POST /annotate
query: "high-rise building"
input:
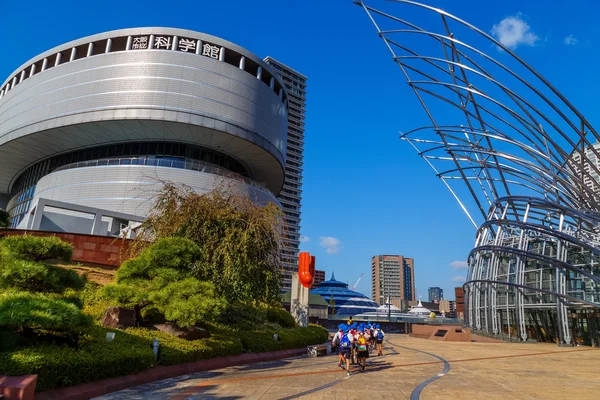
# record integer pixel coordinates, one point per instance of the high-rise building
(319, 277)
(435, 294)
(459, 292)
(290, 196)
(447, 308)
(393, 277)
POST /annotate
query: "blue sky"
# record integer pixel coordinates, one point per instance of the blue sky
(365, 191)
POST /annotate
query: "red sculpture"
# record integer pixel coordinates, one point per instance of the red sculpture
(306, 269)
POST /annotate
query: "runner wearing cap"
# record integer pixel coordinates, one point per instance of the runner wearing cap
(346, 348)
(362, 349)
(380, 336)
(336, 342)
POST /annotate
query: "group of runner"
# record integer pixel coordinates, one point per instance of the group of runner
(354, 341)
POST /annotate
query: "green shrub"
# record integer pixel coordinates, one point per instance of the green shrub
(320, 331)
(36, 311)
(302, 337)
(94, 304)
(255, 342)
(258, 341)
(281, 317)
(35, 276)
(188, 301)
(243, 316)
(38, 248)
(58, 366)
(177, 254)
(173, 350)
(161, 281)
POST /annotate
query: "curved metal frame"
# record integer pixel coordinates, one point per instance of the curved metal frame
(524, 154)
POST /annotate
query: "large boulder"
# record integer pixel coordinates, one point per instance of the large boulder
(192, 333)
(118, 317)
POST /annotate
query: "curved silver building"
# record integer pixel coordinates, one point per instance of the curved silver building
(89, 129)
(511, 147)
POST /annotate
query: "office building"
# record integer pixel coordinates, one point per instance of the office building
(447, 308)
(319, 277)
(435, 294)
(459, 292)
(393, 278)
(290, 196)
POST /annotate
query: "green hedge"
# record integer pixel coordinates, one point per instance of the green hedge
(281, 317)
(256, 342)
(58, 366)
(242, 316)
(131, 352)
(301, 337)
(259, 341)
(37, 311)
(38, 248)
(173, 350)
(33, 276)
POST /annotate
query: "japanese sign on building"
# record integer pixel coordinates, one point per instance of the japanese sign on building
(211, 51)
(139, 43)
(187, 45)
(164, 42)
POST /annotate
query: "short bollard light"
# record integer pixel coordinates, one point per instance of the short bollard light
(155, 345)
(110, 336)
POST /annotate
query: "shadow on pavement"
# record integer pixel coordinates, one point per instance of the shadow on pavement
(194, 392)
(159, 389)
(263, 366)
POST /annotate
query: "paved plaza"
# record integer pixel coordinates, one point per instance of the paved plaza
(411, 369)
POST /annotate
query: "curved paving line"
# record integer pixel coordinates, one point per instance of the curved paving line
(416, 393)
(330, 384)
(197, 388)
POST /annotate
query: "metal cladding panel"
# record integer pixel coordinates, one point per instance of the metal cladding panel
(130, 189)
(143, 85)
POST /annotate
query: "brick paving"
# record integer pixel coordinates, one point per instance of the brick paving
(477, 371)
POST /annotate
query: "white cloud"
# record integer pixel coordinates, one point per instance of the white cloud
(513, 31)
(459, 264)
(458, 278)
(570, 40)
(304, 239)
(331, 244)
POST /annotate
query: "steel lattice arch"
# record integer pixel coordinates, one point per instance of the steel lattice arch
(515, 154)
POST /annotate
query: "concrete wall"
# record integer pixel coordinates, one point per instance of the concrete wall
(56, 222)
